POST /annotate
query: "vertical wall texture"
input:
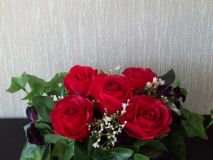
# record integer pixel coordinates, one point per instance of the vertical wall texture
(44, 37)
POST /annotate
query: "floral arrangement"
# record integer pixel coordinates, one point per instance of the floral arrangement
(88, 114)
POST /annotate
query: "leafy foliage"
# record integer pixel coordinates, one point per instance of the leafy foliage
(18, 83)
(169, 77)
(211, 122)
(117, 153)
(43, 106)
(154, 144)
(33, 152)
(140, 157)
(39, 94)
(193, 124)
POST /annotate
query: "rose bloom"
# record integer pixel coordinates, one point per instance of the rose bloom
(110, 91)
(70, 117)
(79, 79)
(147, 118)
(138, 77)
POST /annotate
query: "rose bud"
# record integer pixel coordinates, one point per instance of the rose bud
(31, 114)
(34, 135)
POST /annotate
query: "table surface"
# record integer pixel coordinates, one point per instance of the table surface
(13, 138)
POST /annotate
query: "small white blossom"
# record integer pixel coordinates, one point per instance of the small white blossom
(95, 145)
(148, 84)
(109, 127)
(174, 108)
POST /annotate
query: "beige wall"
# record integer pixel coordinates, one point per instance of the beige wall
(46, 36)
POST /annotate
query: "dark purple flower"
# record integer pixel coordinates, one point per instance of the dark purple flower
(31, 114)
(178, 93)
(164, 90)
(34, 135)
(124, 139)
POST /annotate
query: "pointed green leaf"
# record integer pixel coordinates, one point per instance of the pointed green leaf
(18, 83)
(154, 144)
(53, 138)
(117, 153)
(140, 157)
(193, 124)
(33, 152)
(36, 83)
(63, 149)
(83, 150)
(169, 77)
(43, 106)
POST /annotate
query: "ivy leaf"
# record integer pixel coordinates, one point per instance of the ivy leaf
(157, 145)
(58, 78)
(140, 157)
(117, 153)
(138, 144)
(63, 149)
(36, 83)
(18, 83)
(53, 138)
(44, 128)
(83, 150)
(43, 106)
(169, 77)
(193, 124)
(211, 122)
(33, 152)
(176, 145)
(154, 144)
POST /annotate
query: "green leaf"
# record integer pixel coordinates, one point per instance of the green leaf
(140, 157)
(193, 124)
(138, 144)
(44, 128)
(58, 78)
(211, 114)
(18, 83)
(183, 91)
(154, 144)
(169, 77)
(33, 152)
(63, 149)
(36, 83)
(117, 153)
(43, 106)
(211, 122)
(177, 145)
(53, 138)
(157, 145)
(83, 150)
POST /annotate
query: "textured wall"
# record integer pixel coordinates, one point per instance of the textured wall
(46, 36)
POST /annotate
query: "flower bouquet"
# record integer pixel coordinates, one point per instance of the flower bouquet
(90, 114)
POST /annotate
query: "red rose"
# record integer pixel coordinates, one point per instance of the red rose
(147, 118)
(79, 79)
(110, 91)
(70, 117)
(138, 77)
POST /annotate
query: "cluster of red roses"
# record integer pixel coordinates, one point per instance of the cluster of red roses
(147, 117)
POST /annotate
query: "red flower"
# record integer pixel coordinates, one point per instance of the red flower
(79, 79)
(138, 77)
(147, 118)
(70, 117)
(110, 91)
